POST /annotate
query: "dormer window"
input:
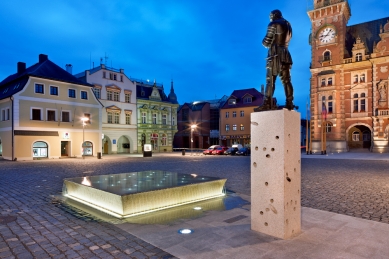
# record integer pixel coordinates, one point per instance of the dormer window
(231, 101)
(247, 99)
(358, 57)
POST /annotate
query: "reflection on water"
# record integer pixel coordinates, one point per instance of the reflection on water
(127, 183)
(167, 216)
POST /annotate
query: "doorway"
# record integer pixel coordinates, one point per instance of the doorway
(64, 148)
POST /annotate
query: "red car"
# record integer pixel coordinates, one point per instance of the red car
(209, 150)
(219, 151)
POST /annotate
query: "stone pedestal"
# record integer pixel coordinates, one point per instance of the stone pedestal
(276, 173)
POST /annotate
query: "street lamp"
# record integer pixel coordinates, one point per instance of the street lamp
(84, 120)
(192, 127)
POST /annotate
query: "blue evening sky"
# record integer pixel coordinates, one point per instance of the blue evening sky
(208, 47)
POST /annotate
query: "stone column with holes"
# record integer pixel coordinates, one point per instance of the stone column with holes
(276, 173)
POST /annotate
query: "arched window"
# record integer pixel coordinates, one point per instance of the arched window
(329, 81)
(355, 101)
(164, 140)
(329, 105)
(327, 56)
(362, 78)
(87, 148)
(323, 98)
(323, 82)
(363, 102)
(328, 127)
(358, 57)
(39, 149)
(355, 136)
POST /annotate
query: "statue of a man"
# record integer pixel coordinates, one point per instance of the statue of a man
(279, 61)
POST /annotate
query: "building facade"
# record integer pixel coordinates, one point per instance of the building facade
(119, 118)
(205, 115)
(348, 88)
(235, 124)
(157, 116)
(42, 111)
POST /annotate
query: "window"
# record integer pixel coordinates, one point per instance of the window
(65, 116)
(173, 121)
(121, 78)
(87, 115)
(355, 79)
(328, 127)
(358, 57)
(323, 82)
(231, 101)
(355, 136)
(241, 127)
(234, 114)
(154, 118)
(50, 115)
(97, 92)
(362, 78)
(363, 102)
(227, 114)
(329, 81)
(185, 114)
(36, 114)
(234, 127)
(164, 140)
(72, 93)
(39, 89)
(143, 117)
(116, 96)
(127, 98)
(39, 149)
(164, 119)
(227, 127)
(241, 113)
(84, 95)
(5, 115)
(327, 56)
(329, 104)
(109, 95)
(355, 101)
(128, 118)
(116, 117)
(109, 117)
(114, 77)
(53, 90)
(104, 74)
(247, 99)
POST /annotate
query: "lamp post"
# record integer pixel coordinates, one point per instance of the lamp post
(83, 119)
(192, 128)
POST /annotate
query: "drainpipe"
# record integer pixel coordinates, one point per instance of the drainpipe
(12, 127)
(372, 105)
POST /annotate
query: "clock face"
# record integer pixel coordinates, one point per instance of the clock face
(327, 35)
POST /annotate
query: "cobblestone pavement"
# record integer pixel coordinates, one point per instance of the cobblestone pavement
(44, 228)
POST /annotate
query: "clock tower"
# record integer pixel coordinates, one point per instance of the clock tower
(349, 85)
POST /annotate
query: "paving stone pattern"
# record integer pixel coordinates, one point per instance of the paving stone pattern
(45, 228)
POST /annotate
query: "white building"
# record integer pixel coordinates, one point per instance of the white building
(118, 95)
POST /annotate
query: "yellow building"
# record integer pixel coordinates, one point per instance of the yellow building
(41, 112)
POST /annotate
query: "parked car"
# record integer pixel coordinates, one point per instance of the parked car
(209, 150)
(231, 151)
(219, 151)
(243, 152)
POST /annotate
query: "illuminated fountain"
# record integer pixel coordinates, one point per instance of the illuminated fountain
(130, 194)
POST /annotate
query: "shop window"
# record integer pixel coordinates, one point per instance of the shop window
(164, 140)
(87, 148)
(39, 149)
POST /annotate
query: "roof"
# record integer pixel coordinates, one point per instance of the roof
(147, 89)
(368, 32)
(257, 98)
(198, 105)
(43, 69)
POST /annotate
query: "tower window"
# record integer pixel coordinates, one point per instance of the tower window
(327, 56)
(358, 57)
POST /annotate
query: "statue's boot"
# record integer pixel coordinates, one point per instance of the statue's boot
(264, 107)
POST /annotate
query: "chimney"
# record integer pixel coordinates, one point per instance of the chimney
(69, 68)
(21, 67)
(42, 58)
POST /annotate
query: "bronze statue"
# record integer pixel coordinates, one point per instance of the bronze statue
(279, 61)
